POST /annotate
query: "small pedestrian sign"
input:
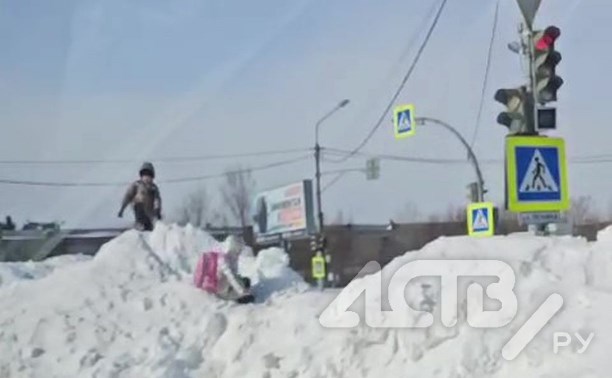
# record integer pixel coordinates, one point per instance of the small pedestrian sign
(404, 121)
(480, 220)
(318, 267)
(536, 174)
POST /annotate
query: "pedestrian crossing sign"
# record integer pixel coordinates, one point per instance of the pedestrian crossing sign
(480, 219)
(536, 174)
(318, 267)
(404, 121)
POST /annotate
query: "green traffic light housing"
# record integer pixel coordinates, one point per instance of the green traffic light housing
(514, 99)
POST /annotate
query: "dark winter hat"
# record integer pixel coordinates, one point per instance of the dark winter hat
(147, 168)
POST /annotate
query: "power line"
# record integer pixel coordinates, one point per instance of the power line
(167, 181)
(486, 75)
(334, 180)
(338, 152)
(158, 160)
(258, 168)
(402, 84)
(594, 159)
(344, 170)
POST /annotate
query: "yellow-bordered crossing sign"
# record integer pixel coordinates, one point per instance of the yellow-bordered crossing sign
(480, 219)
(536, 174)
(318, 267)
(404, 121)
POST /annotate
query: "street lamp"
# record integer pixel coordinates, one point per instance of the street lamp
(340, 105)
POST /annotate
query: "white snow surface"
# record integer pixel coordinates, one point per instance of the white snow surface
(132, 311)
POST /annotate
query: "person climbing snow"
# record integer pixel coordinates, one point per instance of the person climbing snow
(217, 273)
(145, 198)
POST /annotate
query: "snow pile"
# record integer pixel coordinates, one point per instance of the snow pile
(270, 273)
(132, 312)
(12, 272)
(568, 266)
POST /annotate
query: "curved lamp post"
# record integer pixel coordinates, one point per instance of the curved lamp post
(471, 155)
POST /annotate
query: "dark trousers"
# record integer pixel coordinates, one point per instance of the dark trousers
(246, 282)
(143, 221)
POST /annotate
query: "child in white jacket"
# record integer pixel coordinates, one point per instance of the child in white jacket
(217, 273)
(232, 286)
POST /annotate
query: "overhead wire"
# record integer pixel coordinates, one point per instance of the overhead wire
(593, 159)
(402, 84)
(157, 160)
(164, 181)
(486, 75)
(334, 180)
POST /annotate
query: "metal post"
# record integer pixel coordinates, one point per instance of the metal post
(340, 105)
(531, 127)
(531, 101)
(471, 155)
(318, 182)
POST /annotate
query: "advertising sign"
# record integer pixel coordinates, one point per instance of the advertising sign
(285, 211)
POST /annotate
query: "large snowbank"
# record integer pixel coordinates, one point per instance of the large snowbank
(131, 312)
(12, 272)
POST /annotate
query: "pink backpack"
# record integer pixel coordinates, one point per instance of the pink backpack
(205, 277)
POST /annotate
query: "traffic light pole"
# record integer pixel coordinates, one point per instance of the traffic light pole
(531, 121)
(471, 154)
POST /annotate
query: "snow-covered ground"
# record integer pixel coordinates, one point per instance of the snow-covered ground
(131, 311)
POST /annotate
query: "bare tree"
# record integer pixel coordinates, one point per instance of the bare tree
(582, 211)
(196, 209)
(434, 218)
(508, 221)
(452, 214)
(409, 213)
(455, 214)
(237, 192)
(339, 219)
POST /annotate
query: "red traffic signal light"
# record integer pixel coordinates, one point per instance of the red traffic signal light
(545, 61)
(547, 41)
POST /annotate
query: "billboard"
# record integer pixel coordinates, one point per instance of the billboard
(285, 211)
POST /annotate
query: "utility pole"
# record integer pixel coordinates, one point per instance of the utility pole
(321, 244)
(318, 180)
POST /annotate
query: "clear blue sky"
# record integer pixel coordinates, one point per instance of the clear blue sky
(139, 79)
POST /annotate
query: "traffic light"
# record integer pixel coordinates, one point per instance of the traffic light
(515, 100)
(472, 192)
(545, 61)
(373, 169)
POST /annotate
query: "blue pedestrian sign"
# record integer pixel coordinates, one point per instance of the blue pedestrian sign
(404, 121)
(480, 220)
(536, 174)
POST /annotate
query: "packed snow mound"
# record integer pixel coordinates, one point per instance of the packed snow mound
(13, 272)
(571, 267)
(132, 312)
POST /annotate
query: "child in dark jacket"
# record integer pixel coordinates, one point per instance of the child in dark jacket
(145, 198)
